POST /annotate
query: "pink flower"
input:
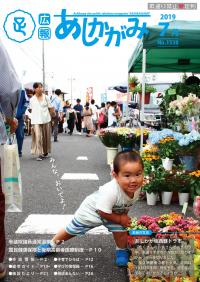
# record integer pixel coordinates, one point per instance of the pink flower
(146, 220)
(154, 227)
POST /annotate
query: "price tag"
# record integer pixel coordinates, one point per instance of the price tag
(185, 205)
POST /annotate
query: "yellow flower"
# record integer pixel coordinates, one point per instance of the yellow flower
(169, 222)
(195, 173)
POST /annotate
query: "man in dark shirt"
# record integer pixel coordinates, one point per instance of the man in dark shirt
(79, 109)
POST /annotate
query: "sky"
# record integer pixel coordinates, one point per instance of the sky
(69, 64)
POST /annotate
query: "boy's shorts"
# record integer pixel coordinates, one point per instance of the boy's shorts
(74, 227)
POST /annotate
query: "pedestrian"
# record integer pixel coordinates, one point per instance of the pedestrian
(108, 206)
(79, 112)
(107, 108)
(57, 104)
(87, 119)
(71, 119)
(118, 113)
(94, 115)
(20, 115)
(112, 119)
(102, 117)
(9, 96)
(41, 123)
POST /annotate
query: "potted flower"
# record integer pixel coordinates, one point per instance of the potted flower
(195, 183)
(110, 139)
(167, 150)
(151, 159)
(181, 183)
(188, 145)
(138, 136)
(186, 112)
(148, 90)
(133, 81)
(152, 184)
(126, 138)
(150, 187)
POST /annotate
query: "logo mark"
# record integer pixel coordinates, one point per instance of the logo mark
(19, 26)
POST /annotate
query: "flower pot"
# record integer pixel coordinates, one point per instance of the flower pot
(166, 197)
(111, 153)
(183, 197)
(146, 98)
(188, 162)
(174, 197)
(151, 198)
(167, 163)
(131, 85)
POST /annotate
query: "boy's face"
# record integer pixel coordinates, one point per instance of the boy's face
(130, 177)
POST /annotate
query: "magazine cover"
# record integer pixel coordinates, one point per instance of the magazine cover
(100, 140)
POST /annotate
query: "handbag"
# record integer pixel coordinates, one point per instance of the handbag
(101, 119)
(52, 112)
(12, 184)
(51, 109)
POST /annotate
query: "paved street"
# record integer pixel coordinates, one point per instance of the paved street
(87, 258)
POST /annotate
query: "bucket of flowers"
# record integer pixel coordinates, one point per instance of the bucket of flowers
(167, 143)
(138, 132)
(168, 149)
(110, 139)
(188, 145)
(126, 138)
(151, 159)
(186, 109)
(181, 183)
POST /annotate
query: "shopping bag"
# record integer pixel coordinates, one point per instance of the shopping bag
(12, 184)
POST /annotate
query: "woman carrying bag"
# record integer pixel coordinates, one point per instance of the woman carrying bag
(41, 108)
(9, 96)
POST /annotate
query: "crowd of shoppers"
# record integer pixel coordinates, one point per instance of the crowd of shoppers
(88, 119)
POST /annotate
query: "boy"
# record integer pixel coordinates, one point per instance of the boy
(108, 206)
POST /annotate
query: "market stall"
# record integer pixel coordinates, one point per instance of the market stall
(175, 50)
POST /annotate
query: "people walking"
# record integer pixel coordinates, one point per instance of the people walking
(71, 119)
(79, 111)
(57, 104)
(102, 117)
(94, 115)
(112, 119)
(20, 115)
(41, 123)
(87, 119)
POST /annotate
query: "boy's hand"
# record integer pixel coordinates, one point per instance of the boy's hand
(125, 220)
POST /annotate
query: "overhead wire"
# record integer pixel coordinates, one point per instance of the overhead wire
(30, 56)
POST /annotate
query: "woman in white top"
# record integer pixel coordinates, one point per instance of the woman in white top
(41, 123)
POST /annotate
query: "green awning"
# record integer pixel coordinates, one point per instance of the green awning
(184, 57)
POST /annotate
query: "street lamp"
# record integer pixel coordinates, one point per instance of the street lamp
(71, 81)
(43, 65)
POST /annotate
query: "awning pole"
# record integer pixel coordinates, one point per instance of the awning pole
(127, 98)
(143, 94)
